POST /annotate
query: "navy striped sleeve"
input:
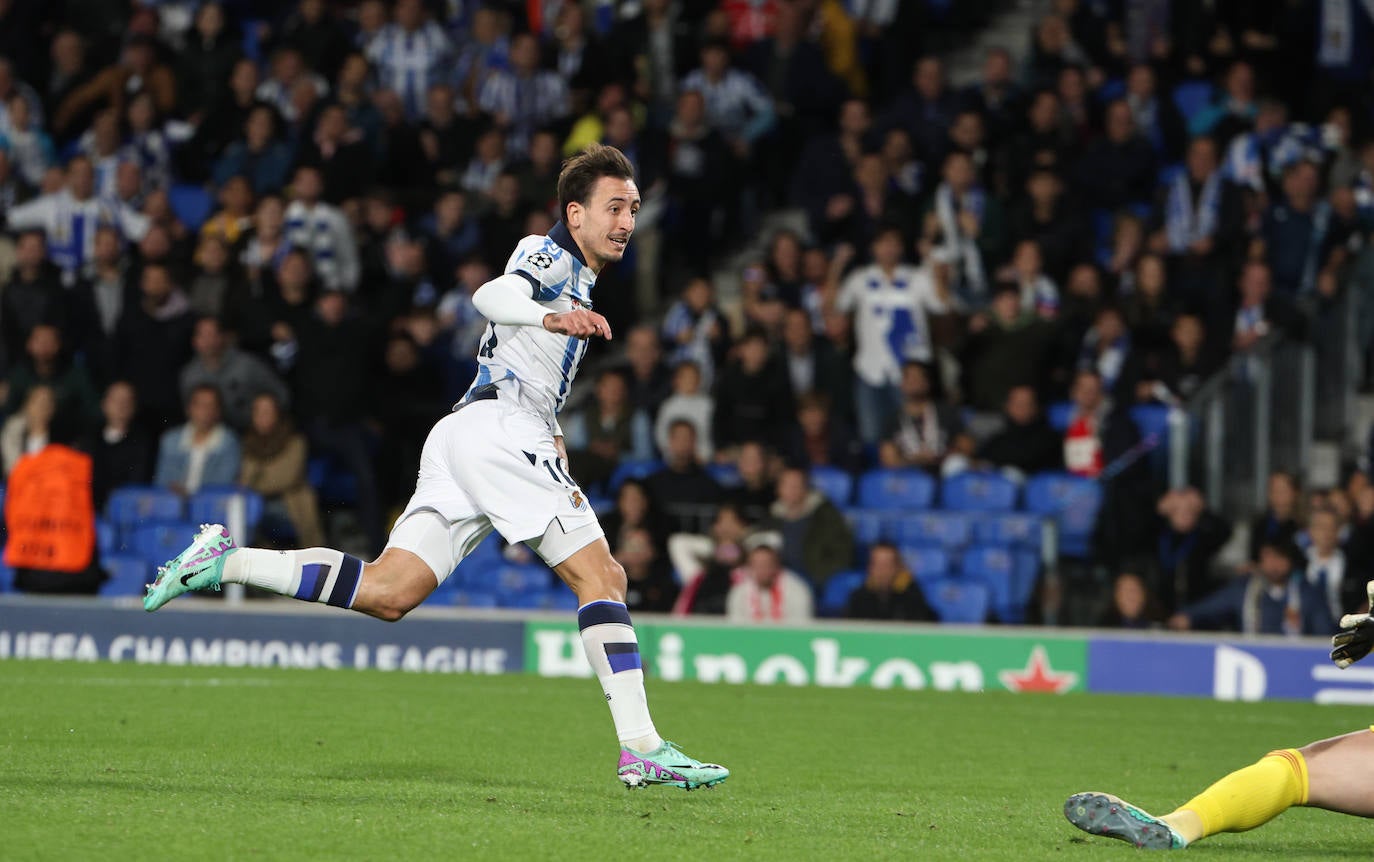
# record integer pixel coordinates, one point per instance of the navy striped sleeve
(535, 286)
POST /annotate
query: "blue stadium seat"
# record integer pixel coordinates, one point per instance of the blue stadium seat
(6, 578)
(471, 599)
(562, 599)
(128, 575)
(1008, 530)
(106, 537)
(926, 563)
(335, 484)
(973, 491)
(726, 475)
(1009, 576)
(1168, 174)
(873, 525)
(867, 525)
(958, 601)
(157, 543)
(631, 468)
(602, 506)
(906, 489)
(528, 600)
(511, 580)
(1072, 501)
(210, 505)
(1143, 210)
(836, 484)
(835, 594)
(1059, 414)
(133, 505)
(191, 204)
(1104, 222)
(1191, 97)
(1111, 90)
(948, 530)
(251, 43)
(1152, 419)
(478, 569)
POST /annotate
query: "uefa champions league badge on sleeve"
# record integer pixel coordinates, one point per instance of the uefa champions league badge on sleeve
(540, 260)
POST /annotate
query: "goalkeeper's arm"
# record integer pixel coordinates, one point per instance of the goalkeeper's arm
(1356, 636)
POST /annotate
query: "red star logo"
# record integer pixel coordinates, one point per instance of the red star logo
(1038, 675)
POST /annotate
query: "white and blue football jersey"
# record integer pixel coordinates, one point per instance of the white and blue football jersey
(533, 364)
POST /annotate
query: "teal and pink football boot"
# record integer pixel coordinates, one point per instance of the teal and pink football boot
(670, 767)
(199, 567)
(1106, 815)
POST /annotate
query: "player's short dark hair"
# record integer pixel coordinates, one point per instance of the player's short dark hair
(581, 172)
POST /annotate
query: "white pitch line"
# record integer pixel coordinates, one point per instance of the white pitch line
(118, 682)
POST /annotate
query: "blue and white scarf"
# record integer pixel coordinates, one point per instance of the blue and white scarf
(1321, 220)
(969, 274)
(1185, 222)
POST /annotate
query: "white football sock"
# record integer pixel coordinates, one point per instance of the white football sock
(311, 574)
(613, 651)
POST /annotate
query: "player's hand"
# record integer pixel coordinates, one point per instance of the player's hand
(579, 323)
(1356, 637)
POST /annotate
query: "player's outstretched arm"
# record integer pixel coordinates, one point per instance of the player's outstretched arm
(505, 300)
(579, 323)
(1356, 636)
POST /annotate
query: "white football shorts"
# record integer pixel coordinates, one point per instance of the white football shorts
(491, 464)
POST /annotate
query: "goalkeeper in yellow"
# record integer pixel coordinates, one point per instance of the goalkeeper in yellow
(1333, 774)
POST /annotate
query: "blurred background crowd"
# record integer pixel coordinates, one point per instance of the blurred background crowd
(874, 328)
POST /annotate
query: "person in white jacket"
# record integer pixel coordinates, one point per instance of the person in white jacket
(768, 593)
(69, 218)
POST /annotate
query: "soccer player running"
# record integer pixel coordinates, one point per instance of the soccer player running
(498, 461)
(1333, 774)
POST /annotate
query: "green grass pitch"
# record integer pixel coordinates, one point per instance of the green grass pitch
(125, 762)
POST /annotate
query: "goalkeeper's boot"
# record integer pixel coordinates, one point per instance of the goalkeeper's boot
(668, 766)
(197, 568)
(1104, 814)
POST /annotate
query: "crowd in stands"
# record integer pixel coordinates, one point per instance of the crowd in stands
(242, 240)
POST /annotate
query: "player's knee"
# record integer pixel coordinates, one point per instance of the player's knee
(391, 612)
(613, 577)
(390, 591)
(397, 602)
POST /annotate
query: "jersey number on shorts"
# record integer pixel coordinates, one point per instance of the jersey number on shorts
(559, 475)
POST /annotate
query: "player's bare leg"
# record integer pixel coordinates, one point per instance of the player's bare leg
(388, 588)
(1339, 775)
(1332, 774)
(613, 651)
(394, 585)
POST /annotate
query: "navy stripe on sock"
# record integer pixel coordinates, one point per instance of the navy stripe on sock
(313, 576)
(600, 613)
(623, 656)
(346, 584)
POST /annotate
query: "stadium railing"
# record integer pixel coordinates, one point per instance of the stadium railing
(1253, 416)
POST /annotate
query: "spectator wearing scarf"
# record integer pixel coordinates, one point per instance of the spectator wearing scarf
(962, 222)
(1295, 232)
(1276, 600)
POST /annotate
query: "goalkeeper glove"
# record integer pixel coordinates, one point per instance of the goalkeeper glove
(1356, 637)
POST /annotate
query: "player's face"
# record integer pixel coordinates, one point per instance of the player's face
(604, 224)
